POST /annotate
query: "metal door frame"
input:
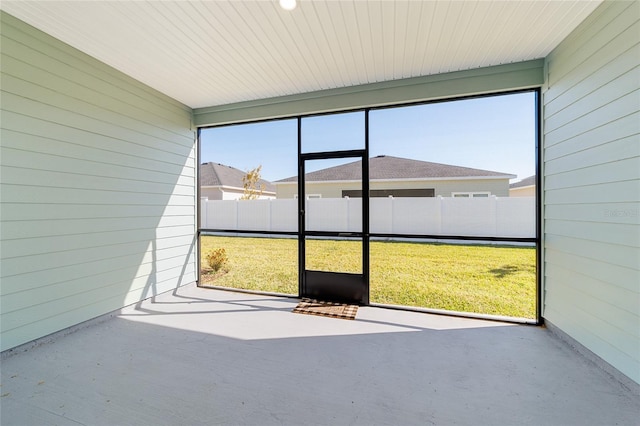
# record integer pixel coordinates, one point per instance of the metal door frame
(325, 285)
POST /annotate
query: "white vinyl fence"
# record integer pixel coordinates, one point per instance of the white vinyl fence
(487, 217)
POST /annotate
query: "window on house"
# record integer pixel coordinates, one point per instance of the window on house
(470, 194)
(385, 193)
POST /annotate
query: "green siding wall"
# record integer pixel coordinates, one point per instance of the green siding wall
(592, 185)
(97, 196)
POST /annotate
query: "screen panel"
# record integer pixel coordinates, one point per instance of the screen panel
(333, 132)
(248, 209)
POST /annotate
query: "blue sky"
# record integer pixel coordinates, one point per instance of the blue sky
(493, 133)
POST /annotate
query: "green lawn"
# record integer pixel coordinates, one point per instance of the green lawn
(492, 280)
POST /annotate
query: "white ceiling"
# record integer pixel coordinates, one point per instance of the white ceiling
(206, 53)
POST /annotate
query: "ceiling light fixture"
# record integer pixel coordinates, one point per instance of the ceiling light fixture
(288, 4)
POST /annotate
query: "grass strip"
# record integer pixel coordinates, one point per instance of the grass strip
(495, 280)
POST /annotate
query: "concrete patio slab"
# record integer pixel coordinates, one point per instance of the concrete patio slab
(206, 357)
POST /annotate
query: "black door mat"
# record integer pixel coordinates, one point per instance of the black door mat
(326, 309)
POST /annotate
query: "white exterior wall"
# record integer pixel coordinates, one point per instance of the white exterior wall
(211, 193)
(228, 193)
(97, 188)
(524, 191)
(232, 195)
(592, 185)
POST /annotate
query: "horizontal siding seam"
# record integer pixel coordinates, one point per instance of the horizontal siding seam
(603, 347)
(600, 106)
(593, 88)
(110, 123)
(576, 204)
(117, 99)
(588, 221)
(87, 276)
(94, 190)
(607, 71)
(138, 228)
(585, 27)
(551, 96)
(577, 240)
(589, 166)
(596, 146)
(624, 126)
(186, 241)
(603, 320)
(117, 297)
(104, 285)
(598, 16)
(85, 262)
(119, 180)
(578, 221)
(80, 234)
(588, 185)
(88, 147)
(581, 274)
(173, 272)
(587, 130)
(111, 178)
(620, 176)
(549, 259)
(103, 204)
(591, 240)
(58, 219)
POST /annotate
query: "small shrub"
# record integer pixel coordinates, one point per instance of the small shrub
(217, 259)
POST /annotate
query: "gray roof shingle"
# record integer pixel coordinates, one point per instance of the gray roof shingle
(385, 167)
(528, 181)
(216, 174)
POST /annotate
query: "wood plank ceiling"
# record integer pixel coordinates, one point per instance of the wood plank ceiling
(206, 53)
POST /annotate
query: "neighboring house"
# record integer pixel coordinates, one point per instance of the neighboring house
(399, 177)
(524, 188)
(221, 182)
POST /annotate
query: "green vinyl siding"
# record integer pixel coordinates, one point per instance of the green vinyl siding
(97, 196)
(592, 185)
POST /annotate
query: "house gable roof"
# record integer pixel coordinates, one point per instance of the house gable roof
(386, 167)
(528, 181)
(216, 174)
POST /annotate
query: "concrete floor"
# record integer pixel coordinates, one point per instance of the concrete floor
(210, 357)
